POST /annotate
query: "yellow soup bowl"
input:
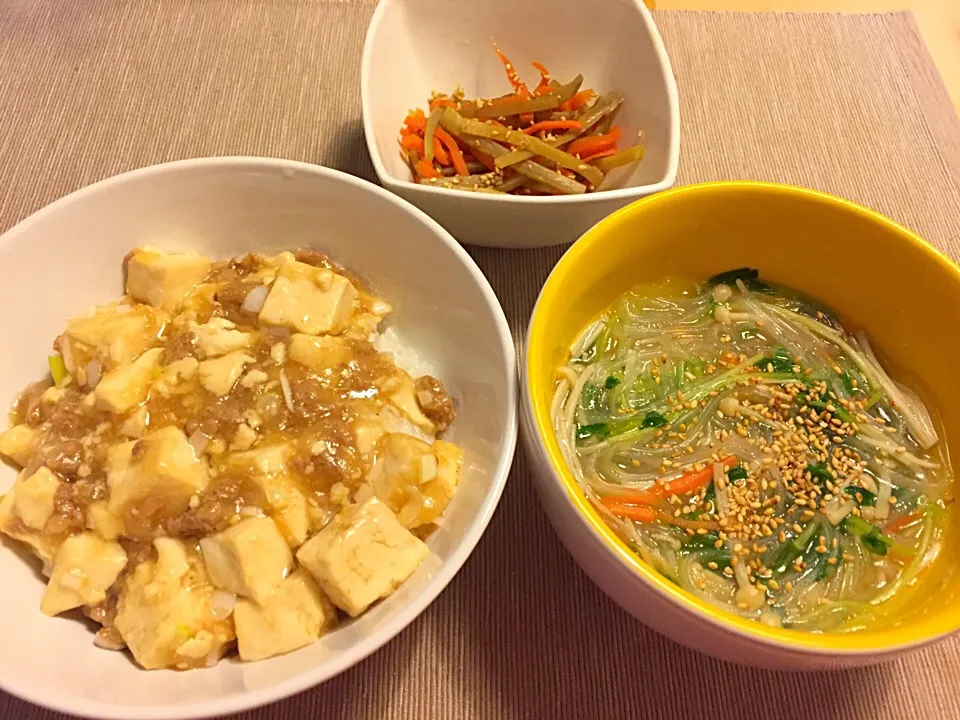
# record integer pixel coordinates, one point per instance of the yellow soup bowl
(877, 275)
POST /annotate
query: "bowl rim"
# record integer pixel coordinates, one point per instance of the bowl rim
(536, 415)
(633, 191)
(406, 614)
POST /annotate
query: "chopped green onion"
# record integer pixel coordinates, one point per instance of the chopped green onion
(738, 472)
(837, 411)
(652, 419)
(820, 472)
(58, 369)
(749, 276)
(591, 397)
(702, 542)
(864, 497)
(792, 549)
(780, 362)
(870, 535)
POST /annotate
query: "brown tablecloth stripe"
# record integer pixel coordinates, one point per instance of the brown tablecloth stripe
(848, 104)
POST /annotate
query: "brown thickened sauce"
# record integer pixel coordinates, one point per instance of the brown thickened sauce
(310, 415)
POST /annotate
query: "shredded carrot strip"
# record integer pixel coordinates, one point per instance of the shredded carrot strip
(632, 512)
(544, 86)
(581, 98)
(553, 125)
(515, 81)
(594, 143)
(426, 169)
(577, 101)
(636, 497)
(900, 555)
(485, 160)
(438, 152)
(895, 526)
(601, 154)
(416, 121)
(455, 153)
(412, 142)
(691, 482)
(442, 102)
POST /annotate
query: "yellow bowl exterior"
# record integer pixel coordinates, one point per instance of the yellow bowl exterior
(876, 274)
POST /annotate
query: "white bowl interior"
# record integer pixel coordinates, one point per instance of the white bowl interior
(417, 46)
(68, 257)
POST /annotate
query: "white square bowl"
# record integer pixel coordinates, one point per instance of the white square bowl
(416, 46)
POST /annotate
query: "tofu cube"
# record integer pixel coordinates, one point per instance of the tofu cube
(19, 443)
(177, 377)
(219, 336)
(415, 479)
(309, 300)
(43, 546)
(199, 301)
(153, 477)
(166, 612)
(163, 279)
(319, 353)
(368, 432)
(294, 615)
(401, 391)
(136, 423)
(221, 374)
(115, 335)
(103, 522)
(265, 461)
(126, 387)
(34, 498)
(243, 438)
(363, 555)
(449, 463)
(253, 378)
(286, 502)
(84, 569)
(249, 558)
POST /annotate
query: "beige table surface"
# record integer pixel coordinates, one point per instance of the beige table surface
(521, 632)
(938, 20)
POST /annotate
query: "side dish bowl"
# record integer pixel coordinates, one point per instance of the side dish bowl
(67, 257)
(877, 275)
(414, 47)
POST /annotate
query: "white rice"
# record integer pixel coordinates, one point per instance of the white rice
(394, 422)
(405, 357)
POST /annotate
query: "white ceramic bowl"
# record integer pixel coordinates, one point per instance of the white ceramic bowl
(68, 256)
(416, 46)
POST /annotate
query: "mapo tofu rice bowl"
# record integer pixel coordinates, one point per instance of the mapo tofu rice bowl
(248, 443)
(225, 457)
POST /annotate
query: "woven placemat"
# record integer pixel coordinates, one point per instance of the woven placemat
(847, 104)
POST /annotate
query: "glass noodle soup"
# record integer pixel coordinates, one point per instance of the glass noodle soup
(754, 451)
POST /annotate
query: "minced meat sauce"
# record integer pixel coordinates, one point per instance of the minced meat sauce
(262, 391)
